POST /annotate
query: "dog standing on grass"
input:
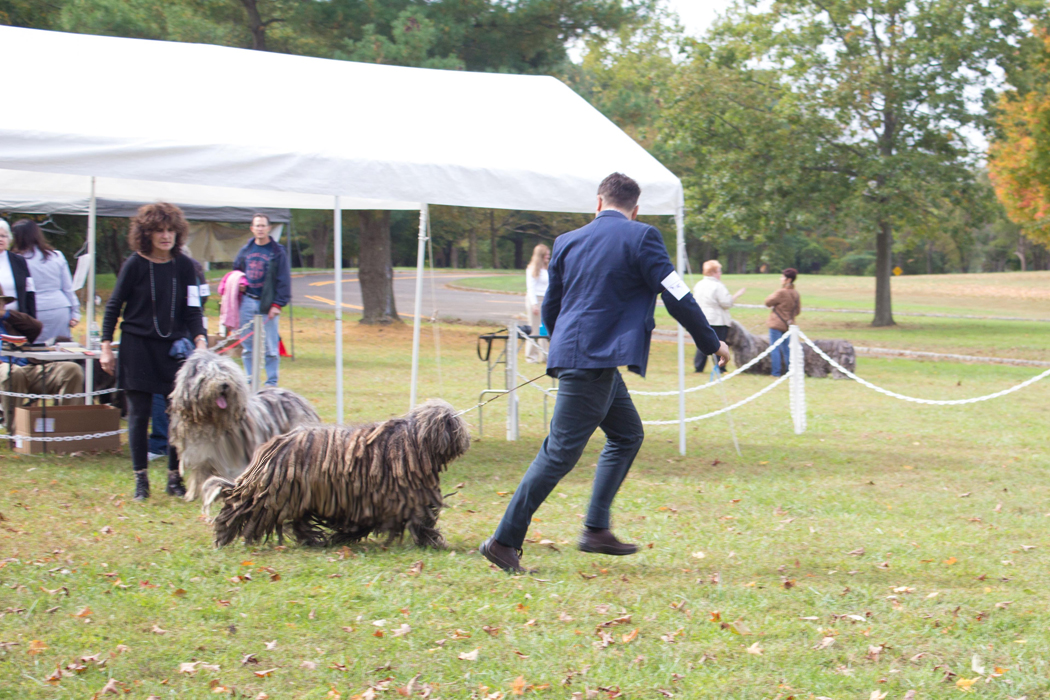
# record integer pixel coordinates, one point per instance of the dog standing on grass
(334, 484)
(217, 422)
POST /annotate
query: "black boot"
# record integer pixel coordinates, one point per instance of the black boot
(141, 485)
(175, 485)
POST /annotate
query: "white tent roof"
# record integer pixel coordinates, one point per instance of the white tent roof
(350, 129)
(28, 191)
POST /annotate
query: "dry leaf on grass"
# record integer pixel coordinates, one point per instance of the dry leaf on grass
(755, 649)
(630, 636)
(518, 686)
(401, 631)
(157, 630)
(264, 674)
(825, 643)
(469, 655)
(112, 686)
(270, 646)
(308, 665)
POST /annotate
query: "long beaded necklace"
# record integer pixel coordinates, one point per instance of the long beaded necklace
(153, 298)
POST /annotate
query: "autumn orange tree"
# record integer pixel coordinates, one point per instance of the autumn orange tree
(1019, 160)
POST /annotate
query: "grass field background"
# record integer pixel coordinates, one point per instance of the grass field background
(891, 548)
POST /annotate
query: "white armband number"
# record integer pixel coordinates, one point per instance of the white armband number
(675, 286)
(193, 295)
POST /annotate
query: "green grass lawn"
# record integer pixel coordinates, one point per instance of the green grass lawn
(1022, 294)
(890, 548)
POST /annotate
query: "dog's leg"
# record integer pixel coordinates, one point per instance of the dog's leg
(308, 535)
(425, 535)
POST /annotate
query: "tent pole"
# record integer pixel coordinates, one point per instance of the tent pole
(89, 311)
(421, 254)
(679, 220)
(337, 236)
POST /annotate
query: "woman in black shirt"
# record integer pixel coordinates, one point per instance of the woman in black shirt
(158, 293)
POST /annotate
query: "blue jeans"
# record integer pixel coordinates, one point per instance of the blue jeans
(271, 340)
(158, 437)
(587, 399)
(781, 357)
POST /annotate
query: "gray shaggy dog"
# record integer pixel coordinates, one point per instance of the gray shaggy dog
(333, 484)
(746, 346)
(217, 423)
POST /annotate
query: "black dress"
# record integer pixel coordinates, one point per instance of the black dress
(153, 320)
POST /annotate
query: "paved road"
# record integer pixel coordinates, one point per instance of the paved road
(317, 291)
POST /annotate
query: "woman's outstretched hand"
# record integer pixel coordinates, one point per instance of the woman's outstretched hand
(107, 360)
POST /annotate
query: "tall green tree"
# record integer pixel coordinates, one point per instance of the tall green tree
(886, 89)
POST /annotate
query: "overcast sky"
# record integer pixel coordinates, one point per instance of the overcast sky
(697, 15)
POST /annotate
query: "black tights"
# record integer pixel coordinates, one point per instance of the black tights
(140, 407)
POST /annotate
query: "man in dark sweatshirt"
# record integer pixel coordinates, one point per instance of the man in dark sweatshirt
(604, 280)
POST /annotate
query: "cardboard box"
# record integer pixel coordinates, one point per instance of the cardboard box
(66, 420)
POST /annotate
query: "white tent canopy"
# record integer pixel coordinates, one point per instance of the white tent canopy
(51, 193)
(370, 131)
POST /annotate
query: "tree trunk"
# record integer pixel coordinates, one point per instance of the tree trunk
(929, 258)
(255, 25)
(453, 256)
(519, 253)
(883, 273)
(320, 238)
(376, 271)
(472, 248)
(492, 239)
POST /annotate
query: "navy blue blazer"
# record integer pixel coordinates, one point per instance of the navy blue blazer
(599, 305)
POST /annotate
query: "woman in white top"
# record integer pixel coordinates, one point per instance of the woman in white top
(57, 306)
(715, 301)
(536, 281)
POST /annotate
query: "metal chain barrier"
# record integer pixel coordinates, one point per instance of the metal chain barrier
(62, 438)
(929, 402)
(58, 396)
(743, 368)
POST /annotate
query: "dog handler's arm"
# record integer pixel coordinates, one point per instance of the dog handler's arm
(114, 307)
(552, 299)
(194, 316)
(660, 274)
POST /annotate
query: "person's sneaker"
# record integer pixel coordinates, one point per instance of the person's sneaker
(175, 486)
(604, 542)
(506, 558)
(141, 485)
(150, 456)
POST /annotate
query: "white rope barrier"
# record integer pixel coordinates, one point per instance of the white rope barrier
(928, 402)
(743, 368)
(719, 412)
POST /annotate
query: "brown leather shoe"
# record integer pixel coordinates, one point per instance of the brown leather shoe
(502, 556)
(604, 542)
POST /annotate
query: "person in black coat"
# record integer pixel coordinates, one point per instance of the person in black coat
(158, 294)
(14, 271)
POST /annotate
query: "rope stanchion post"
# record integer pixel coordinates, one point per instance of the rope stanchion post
(797, 385)
(512, 379)
(257, 350)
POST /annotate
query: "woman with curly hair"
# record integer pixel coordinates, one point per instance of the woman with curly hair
(157, 292)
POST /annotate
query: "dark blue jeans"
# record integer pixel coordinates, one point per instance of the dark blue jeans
(781, 357)
(158, 437)
(587, 399)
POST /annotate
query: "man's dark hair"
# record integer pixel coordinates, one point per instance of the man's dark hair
(791, 273)
(620, 191)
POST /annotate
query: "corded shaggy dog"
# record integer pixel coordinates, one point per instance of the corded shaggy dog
(217, 422)
(332, 484)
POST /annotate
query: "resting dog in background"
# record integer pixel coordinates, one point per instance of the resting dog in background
(217, 422)
(382, 477)
(746, 346)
